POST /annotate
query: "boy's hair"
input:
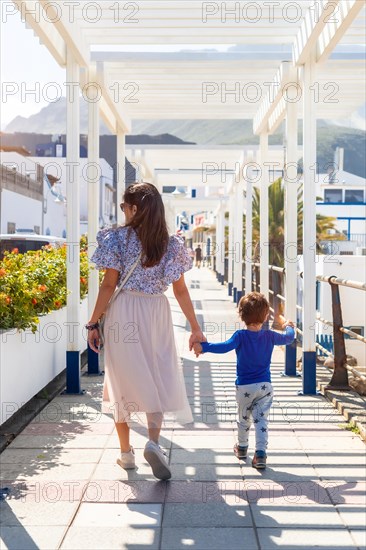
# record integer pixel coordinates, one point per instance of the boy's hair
(253, 308)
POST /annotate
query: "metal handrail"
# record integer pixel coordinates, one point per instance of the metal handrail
(343, 282)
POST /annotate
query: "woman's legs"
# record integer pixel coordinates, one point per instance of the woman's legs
(154, 422)
(123, 432)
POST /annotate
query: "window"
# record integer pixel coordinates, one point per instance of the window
(354, 195)
(333, 195)
(358, 330)
(11, 227)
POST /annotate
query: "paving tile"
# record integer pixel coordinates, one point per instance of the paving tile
(312, 517)
(118, 515)
(211, 441)
(110, 491)
(350, 492)
(202, 538)
(326, 539)
(353, 516)
(48, 455)
(45, 491)
(337, 457)
(46, 471)
(360, 538)
(68, 428)
(228, 491)
(111, 538)
(110, 471)
(36, 511)
(33, 537)
(202, 456)
(209, 514)
(43, 441)
(273, 472)
(286, 493)
(321, 442)
(206, 472)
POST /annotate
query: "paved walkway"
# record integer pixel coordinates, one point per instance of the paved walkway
(67, 492)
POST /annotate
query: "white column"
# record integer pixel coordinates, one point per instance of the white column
(290, 249)
(220, 243)
(248, 234)
(170, 216)
(309, 229)
(73, 224)
(93, 198)
(291, 188)
(121, 173)
(263, 221)
(231, 242)
(238, 249)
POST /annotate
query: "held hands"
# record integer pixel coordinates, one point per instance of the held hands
(197, 349)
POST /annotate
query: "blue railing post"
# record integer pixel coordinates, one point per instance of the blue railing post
(93, 362)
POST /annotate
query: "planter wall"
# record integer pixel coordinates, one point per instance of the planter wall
(28, 362)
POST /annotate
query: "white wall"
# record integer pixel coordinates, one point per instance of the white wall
(353, 301)
(23, 211)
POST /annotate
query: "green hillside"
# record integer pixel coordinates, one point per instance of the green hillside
(52, 120)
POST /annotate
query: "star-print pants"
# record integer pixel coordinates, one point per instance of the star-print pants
(254, 403)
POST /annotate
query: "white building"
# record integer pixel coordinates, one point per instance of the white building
(343, 196)
(47, 214)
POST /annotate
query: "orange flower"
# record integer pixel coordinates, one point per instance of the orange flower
(2, 272)
(42, 288)
(83, 280)
(57, 303)
(15, 251)
(8, 300)
(34, 301)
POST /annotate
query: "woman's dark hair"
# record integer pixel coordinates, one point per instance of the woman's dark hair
(253, 308)
(149, 221)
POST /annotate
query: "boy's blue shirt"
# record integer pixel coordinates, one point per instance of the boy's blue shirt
(253, 351)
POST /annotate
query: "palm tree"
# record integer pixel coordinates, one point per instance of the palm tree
(276, 230)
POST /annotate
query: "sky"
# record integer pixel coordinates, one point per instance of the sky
(25, 62)
(26, 65)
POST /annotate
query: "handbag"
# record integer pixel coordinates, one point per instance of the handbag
(113, 297)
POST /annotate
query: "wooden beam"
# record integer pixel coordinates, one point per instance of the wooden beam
(335, 30)
(315, 20)
(46, 31)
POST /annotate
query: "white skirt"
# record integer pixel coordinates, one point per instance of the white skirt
(142, 371)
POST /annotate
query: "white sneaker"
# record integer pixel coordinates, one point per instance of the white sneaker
(127, 460)
(157, 459)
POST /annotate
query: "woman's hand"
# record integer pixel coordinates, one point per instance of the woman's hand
(197, 348)
(94, 340)
(196, 336)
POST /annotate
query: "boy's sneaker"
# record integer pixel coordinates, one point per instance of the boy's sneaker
(127, 460)
(240, 452)
(259, 460)
(157, 459)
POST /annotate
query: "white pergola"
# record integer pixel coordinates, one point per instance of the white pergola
(302, 59)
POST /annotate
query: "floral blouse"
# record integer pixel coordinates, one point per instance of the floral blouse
(118, 249)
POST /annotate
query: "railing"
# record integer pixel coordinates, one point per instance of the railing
(339, 379)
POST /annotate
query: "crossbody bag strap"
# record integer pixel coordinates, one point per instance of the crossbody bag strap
(133, 267)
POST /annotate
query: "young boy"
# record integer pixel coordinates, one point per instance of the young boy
(254, 392)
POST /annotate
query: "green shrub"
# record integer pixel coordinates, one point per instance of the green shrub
(34, 284)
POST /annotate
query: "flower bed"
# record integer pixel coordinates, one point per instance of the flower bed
(34, 284)
(33, 324)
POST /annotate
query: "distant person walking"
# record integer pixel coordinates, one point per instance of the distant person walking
(198, 256)
(254, 392)
(142, 373)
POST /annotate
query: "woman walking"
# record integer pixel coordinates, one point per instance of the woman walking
(142, 372)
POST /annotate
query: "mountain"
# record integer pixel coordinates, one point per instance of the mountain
(52, 120)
